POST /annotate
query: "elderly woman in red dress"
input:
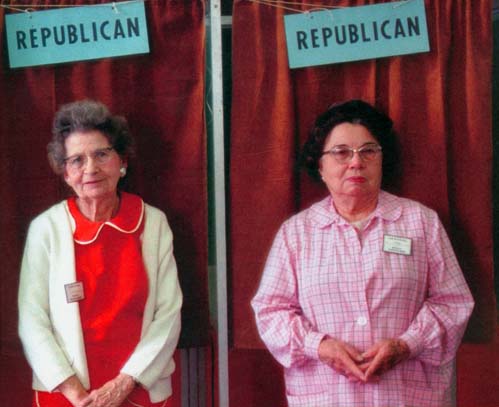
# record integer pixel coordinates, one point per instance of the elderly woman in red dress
(99, 298)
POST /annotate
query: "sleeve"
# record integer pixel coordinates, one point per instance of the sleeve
(437, 330)
(43, 352)
(283, 327)
(152, 359)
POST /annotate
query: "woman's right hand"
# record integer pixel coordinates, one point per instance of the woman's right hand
(343, 358)
(74, 391)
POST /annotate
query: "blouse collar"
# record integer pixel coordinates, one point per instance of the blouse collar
(324, 213)
(127, 220)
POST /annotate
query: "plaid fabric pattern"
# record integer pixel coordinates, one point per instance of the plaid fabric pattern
(324, 277)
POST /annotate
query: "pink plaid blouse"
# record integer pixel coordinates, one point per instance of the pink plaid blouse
(323, 278)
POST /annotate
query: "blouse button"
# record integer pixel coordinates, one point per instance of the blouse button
(361, 321)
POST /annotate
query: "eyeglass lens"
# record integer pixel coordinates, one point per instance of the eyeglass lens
(100, 156)
(343, 154)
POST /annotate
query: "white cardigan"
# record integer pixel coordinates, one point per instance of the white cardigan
(50, 327)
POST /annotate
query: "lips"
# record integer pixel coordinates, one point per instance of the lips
(93, 182)
(357, 180)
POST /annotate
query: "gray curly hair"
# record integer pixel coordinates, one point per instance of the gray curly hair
(83, 116)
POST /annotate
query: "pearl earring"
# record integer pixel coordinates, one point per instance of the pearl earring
(123, 171)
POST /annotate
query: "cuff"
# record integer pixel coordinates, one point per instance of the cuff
(414, 343)
(311, 344)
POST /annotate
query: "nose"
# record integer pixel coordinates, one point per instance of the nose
(90, 165)
(356, 161)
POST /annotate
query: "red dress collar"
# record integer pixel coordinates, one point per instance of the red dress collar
(127, 220)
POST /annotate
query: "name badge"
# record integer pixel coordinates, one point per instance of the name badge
(74, 292)
(397, 244)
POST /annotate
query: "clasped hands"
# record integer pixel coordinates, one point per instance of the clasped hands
(111, 394)
(365, 366)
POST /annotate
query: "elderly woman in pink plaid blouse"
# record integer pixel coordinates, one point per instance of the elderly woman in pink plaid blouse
(362, 299)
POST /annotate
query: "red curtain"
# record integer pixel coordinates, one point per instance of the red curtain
(162, 96)
(440, 102)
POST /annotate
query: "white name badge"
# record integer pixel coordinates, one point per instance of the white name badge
(74, 292)
(397, 244)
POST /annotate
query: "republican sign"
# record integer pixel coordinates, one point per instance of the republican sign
(76, 34)
(356, 33)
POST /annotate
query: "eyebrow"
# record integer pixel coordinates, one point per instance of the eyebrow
(108, 148)
(365, 144)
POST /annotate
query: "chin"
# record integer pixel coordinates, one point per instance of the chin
(362, 191)
(97, 194)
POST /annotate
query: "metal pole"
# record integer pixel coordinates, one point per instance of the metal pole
(215, 51)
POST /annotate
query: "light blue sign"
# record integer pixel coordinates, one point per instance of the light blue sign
(356, 33)
(76, 34)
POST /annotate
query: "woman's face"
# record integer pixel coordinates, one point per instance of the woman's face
(357, 177)
(92, 167)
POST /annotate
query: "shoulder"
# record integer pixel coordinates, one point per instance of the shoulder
(406, 204)
(315, 216)
(50, 229)
(402, 209)
(54, 211)
(51, 217)
(156, 224)
(157, 233)
(154, 214)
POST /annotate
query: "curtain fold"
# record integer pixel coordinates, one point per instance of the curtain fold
(440, 102)
(162, 96)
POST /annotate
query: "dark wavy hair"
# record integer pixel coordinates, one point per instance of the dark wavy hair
(83, 116)
(356, 112)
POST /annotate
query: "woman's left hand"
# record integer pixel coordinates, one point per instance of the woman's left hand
(113, 393)
(383, 356)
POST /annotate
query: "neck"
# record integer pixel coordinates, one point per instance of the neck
(99, 210)
(353, 208)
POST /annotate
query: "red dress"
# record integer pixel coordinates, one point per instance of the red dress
(108, 257)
